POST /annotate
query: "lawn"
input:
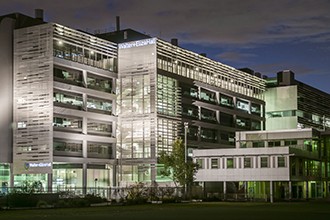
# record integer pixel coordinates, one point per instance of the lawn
(191, 211)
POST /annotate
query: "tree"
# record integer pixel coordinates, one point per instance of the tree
(175, 167)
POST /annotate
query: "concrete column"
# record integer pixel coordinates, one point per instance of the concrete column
(84, 180)
(84, 148)
(224, 190)
(49, 182)
(271, 191)
(290, 190)
(11, 178)
(84, 74)
(322, 189)
(326, 188)
(114, 176)
(84, 125)
(153, 172)
(307, 190)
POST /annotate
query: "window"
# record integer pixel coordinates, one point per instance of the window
(99, 105)
(189, 91)
(247, 162)
(293, 168)
(274, 143)
(68, 76)
(21, 124)
(193, 133)
(190, 111)
(68, 146)
(226, 101)
(258, 144)
(243, 123)
(209, 135)
(255, 109)
(242, 144)
(226, 119)
(200, 163)
(242, 105)
(264, 162)
(99, 128)
(68, 99)
(208, 96)
(227, 138)
(99, 150)
(208, 115)
(214, 163)
(255, 125)
(290, 142)
(281, 161)
(230, 163)
(99, 83)
(71, 122)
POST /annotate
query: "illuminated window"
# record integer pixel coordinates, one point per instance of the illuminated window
(242, 105)
(226, 101)
(230, 163)
(21, 124)
(200, 163)
(255, 109)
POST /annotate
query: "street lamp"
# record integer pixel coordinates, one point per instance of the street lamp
(95, 184)
(185, 141)
(185, 151)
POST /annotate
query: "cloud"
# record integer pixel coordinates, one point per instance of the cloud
(272, 68)
(233, 56)
(204, 22)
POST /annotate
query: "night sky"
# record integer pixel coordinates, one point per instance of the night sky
(265, 35)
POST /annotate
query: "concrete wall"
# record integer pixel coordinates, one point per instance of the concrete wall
(6, 92)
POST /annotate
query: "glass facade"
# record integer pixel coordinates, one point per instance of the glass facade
(136, 173)
(98, 177)
(99, 150)
(68, 99)
(28, 179)
(135, 139)
(88, 50)
(99, 105)
(137, 109)
(139, 88)
(4, 177)
(68, 76)
(64, 147)
(69, 123)
(168, 99)
(99, 128)
(99, 83)
(67, 176)
(193, 66)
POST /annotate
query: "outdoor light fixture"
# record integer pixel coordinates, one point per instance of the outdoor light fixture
(185, 141)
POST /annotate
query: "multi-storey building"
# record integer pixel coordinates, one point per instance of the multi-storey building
(292, 104)
(65, 89)
(282, 164)
(61, 95)
(161, 86)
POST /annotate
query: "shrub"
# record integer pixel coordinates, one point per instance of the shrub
(91, 198)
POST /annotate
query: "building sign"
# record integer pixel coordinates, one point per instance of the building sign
(32, 165)
(138, 43)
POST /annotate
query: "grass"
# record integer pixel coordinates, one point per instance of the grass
(191, 211)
